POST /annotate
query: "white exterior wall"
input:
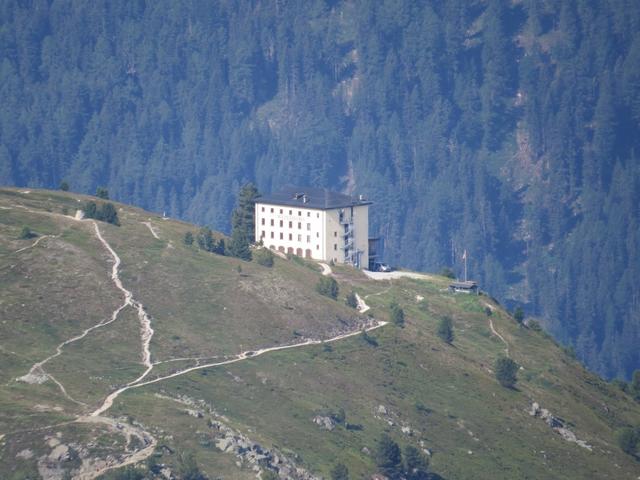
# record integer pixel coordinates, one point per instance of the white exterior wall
(291, 229)
(311, 232)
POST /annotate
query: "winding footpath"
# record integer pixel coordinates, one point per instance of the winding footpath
(495, 332)
(34, 243)
(37, 374)
(153, 232)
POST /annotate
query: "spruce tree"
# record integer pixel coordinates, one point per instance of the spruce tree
(445, 330)
(242, 223)
(388, 457)
(506, 372)
(416, 464)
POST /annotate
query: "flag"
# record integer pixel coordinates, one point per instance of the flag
(464, 255)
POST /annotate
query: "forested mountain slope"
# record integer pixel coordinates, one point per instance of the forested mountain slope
(508, 129)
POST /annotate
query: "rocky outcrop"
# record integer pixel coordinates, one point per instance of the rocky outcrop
(248, 452)
(326, 423)
(557, 424)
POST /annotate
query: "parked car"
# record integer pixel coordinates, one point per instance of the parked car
(382, 267)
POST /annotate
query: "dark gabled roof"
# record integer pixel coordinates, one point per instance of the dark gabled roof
(465, 285)
(309, 197)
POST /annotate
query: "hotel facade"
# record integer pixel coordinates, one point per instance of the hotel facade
(315, 223)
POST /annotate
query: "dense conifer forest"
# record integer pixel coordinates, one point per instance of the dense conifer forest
(506, 128)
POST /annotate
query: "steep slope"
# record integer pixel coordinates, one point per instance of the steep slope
(156, 350)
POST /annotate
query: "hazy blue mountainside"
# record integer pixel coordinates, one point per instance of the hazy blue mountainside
(508, 129)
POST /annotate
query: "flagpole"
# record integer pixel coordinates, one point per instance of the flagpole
(465, 265)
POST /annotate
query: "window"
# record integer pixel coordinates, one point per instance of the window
(299, 213)
(271, 234)
(263, 209)
(317, 234)
(318, 215)
(262, 234)
(308, 238)
(281, 223)
(299, 237)
(262, 221)
(272, 222)
(290, 212)
(308, 214)
(290, 236)
(281, 236)
(272, 210)
(308, 226)
(299, 225)
(335, 234)
(280, 211)
(290, 224)
(335, 246)
(317, 247)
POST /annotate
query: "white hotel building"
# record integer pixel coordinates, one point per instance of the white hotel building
(315, 223)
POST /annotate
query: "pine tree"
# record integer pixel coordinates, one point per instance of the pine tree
(396, 313)
(445, 330)
(243, 217)
(242, 223)
(416, 465)
(388, 457)
(506, 372)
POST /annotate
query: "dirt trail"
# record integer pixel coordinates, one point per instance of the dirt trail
(326, 269)
(88, 472)
(362, 306)
(34, 243)
(32, 376)
(146, 332)
(153, 232)
(495, 332)
(252, 354)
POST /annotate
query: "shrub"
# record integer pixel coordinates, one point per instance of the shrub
(109, 214)
(64, 186)
(488, 311)
(506, 372)
(534, 325)
(628, 439)
(105, 213)
(188, 239)
(328, 287)
(264, 257)
(26, 233)
(396, 313)
(351, 300)
(416, 464)
(102, 192)
(388, 457)
(518, 315)
(445, 330)
(369, 339)
(339, 472)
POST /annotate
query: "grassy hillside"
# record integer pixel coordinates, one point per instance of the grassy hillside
(207, 309)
